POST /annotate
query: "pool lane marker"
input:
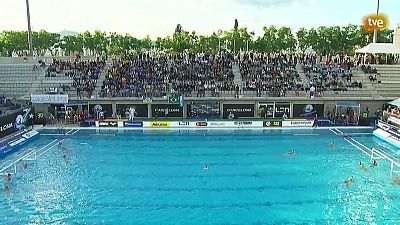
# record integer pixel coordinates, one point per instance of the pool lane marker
(65, 134)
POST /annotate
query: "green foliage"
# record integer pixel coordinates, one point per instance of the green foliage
(323, 40)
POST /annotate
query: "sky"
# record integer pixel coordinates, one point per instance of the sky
(160, 17)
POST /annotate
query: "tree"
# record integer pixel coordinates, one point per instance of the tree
(146, 43)
(88, 41)
(270, 39)
(385, 36)
(72, 44)
(285, 39)
(14, 41)
(100, 42)
(302, 39)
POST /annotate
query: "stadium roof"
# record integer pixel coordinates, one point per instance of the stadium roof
(376, 48)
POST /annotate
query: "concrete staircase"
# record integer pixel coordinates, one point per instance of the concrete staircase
(301, 73)
(389, 77)
(238, 76)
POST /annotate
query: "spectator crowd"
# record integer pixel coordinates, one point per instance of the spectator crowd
(84, 74)
(159, 74)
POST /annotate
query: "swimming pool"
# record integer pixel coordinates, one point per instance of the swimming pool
(158, 177)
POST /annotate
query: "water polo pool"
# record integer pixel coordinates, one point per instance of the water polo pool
(158, 177)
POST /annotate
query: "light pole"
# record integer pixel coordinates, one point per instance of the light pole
(375, 38)
(28, 15)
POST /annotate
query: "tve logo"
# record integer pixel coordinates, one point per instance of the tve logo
(375, 22)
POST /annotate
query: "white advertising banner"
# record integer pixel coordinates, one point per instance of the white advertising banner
(297, 123)
(49, 99)
(244, 124)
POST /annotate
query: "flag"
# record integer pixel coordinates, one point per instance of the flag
(236, 24)
(173, 100)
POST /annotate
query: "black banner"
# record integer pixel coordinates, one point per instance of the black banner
(166, 110)
(238, 111)
(16, 121)
(282, 108)
(97, 109)
(266, 110)
(308, 110)
(141, 110)
(272, 123)
(40, 118)
(207, 110)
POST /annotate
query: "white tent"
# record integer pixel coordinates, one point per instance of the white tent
(379, 48)
(395, 102)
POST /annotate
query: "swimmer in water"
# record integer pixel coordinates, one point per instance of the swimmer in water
(291, 153)
(65, 149)
(205, 167)
(7, 188)
(66, 159)
(349, 180)
(396, 180)
(7, 178)
(374, 163)
(362, 167)
(332, 144)
(24, 165)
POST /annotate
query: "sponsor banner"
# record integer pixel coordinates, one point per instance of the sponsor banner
(258, 124)
(183, 123)
(30, 134)
(160, 124)
(231, 111)
(308, 110)
(297, 123)
(16, 142)
(218, 124)
(272, 123)
(282, 108)
(140, 109)
(133, 124)
(101, 111)
(105, 123)
(16, 121)
(166, 110)
(13, 144)
(206, 110)
(49, 99)
(201, 124)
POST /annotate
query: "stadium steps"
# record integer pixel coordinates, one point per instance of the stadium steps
(238, 76)
(359, 76)
(302, 75)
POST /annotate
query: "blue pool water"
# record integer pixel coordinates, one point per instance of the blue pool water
(157, 177)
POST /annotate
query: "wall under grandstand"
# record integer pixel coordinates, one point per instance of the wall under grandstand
(212, 108)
